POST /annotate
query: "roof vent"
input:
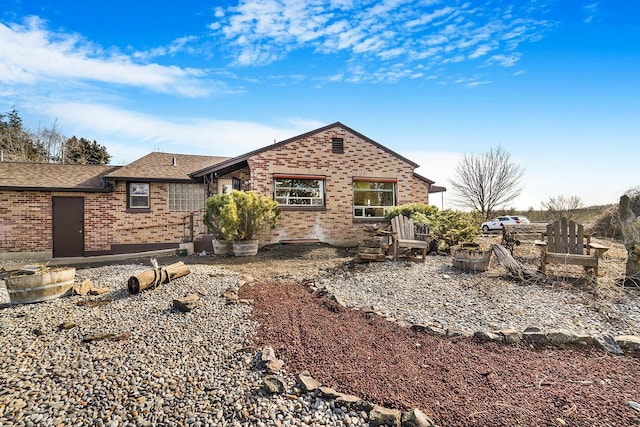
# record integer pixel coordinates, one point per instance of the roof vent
(174, 162)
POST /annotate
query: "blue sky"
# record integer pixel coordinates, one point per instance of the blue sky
(554, 82)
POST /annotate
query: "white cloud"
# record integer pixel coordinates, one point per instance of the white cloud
(590, 11)
(32, 54)
(129, 134)
(504, 60)
(414, 33)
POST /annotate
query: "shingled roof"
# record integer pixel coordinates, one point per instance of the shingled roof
(53, 176)
(164, 167)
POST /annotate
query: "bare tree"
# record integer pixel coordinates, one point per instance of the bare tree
(560, 206)
(486, 181)
(51, 140)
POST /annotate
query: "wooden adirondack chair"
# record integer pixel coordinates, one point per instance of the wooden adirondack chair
(408, 237)
(566, 243)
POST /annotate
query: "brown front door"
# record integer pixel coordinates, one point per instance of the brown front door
(68, 226)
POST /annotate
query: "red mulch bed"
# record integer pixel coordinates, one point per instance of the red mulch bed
(457, 382)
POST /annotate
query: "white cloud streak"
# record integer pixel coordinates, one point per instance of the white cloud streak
(192, 136)
(32, 54)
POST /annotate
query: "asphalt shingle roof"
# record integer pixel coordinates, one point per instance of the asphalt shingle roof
(40, 176)
(160, 167)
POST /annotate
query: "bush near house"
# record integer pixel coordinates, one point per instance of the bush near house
(448, 227)
(240, 214)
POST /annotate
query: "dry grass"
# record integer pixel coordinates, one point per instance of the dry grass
(606, 289)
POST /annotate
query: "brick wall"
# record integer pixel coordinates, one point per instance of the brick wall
(26, 220)
(313, 155)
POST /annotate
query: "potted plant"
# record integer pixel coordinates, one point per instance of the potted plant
(222, 237)
(241, 215)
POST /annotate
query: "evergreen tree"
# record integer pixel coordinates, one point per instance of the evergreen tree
(84, 152)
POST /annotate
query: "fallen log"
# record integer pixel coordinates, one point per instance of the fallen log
(514, 268)
(155, 276)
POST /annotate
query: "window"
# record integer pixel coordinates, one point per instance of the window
(138, 195)
(371, 197)
(337, 145)
(302, 191)
(186, 196)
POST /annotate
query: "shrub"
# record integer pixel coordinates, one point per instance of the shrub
(448, 227)
(211, 216)
(240, 214)
(409, 209)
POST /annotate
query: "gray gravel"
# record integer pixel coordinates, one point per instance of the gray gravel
(435, 293)
(197, 368)
(174, 369)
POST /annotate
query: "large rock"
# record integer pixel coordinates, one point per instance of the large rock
(380, 416)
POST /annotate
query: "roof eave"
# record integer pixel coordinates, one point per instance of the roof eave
(422, 178)
(60, 189)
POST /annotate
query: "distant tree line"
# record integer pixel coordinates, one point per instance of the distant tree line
(46, 144)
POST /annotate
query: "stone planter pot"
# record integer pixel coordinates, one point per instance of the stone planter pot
(222, 247)
(245, 247)
(470, 257)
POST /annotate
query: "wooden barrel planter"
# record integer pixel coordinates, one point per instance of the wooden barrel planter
(222, 247)
(245, 247)
(470, 257)
(45, 286)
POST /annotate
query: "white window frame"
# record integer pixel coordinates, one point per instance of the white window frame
(368, 210)
(138, 191)
(282, 191)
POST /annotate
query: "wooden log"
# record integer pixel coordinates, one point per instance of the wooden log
(156, 276)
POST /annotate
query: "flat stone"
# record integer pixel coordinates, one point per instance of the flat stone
(274, 366)
(329, 393)
(511, 336)
(307, 382)
(83, 288)
(97, 336)
(380, 416)
(416, 418)
(267, 355)
(349, 401)
(67, 325)
(186, 303)
(486, 336)
(561, 336)
(534, 336)
(628, 342)
(436, 330)
(98, 291)
(608, 344)
(273, 385)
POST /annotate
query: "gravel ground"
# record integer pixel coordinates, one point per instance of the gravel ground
(174, 369)
(197, 368)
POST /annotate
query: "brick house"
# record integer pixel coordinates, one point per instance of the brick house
(328, 181)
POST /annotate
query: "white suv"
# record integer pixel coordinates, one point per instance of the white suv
(496, 223)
